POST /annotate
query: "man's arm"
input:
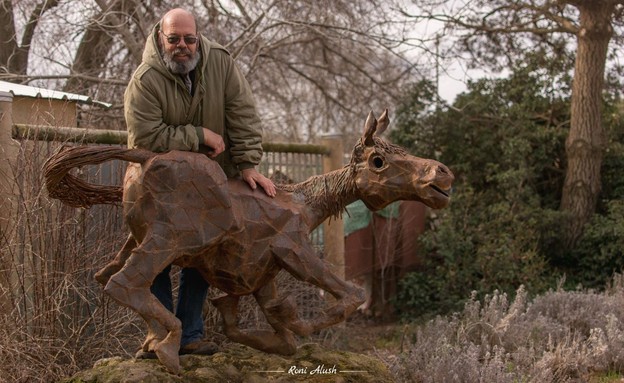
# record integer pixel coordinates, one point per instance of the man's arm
(243, 125)
(146, 128)
(244, 130)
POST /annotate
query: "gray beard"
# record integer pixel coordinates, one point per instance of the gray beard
(180, 67)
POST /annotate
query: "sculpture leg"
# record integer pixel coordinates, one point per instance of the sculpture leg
(117, 263)
(280, 341)
(303, 264)
(131, 288)
(284, 310)
(266, 297)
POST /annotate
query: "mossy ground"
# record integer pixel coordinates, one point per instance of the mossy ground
(238, 363)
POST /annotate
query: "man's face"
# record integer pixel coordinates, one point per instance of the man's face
(179, 41)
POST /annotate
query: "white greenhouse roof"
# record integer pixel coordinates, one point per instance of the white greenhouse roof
(35, 92)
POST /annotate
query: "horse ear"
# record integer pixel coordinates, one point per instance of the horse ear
(369, 129)
(383, 122)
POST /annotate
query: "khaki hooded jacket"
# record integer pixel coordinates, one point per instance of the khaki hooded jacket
(162, 115)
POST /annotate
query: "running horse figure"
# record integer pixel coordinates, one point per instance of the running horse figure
(181, 209)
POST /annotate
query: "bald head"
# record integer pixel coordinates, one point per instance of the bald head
(180, 20)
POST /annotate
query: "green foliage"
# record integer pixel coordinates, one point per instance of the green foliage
(613, 182)
(504, 140)
(600, 251)
(477, 246)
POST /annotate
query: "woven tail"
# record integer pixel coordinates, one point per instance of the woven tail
(75, 192)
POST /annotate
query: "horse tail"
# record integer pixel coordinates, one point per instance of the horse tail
(75, 192)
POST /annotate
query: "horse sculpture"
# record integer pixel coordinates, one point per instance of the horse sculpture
(181, 209)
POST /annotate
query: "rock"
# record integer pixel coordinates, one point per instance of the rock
(238, 363)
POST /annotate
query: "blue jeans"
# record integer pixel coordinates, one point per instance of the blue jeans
(191, 296)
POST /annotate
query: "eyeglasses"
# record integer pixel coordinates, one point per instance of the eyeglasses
(175, 40)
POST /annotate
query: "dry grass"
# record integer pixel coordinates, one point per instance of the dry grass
(54, 318)
(560, 336)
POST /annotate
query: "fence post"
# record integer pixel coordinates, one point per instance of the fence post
(333, 229)
(9, 150)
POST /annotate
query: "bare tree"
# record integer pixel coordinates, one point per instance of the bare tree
(321, 64)
(14, 51)
(110, 21)
(314, 66)
(496, 31)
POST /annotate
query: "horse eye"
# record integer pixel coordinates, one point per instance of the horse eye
(378, 162)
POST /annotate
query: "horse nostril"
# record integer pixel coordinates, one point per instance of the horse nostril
(442, 169)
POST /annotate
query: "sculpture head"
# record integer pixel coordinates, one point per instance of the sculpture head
(385, 173)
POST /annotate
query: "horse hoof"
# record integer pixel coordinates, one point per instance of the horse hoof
(283, 308)
(303, 330)
(356, 297)
(168, 356)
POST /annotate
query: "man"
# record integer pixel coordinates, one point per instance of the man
(188, 94)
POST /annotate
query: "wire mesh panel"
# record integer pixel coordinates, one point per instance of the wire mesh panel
(286, 165)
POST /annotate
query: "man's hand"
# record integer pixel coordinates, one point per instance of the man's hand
(253, 178)
(214, 141)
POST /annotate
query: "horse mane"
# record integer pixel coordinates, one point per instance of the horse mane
(328, 192)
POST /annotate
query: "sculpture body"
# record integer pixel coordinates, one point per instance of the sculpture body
(181, 209)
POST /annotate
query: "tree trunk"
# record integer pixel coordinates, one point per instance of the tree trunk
(8, 44)
(14, 57)
(585, 142)
(91, 56)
